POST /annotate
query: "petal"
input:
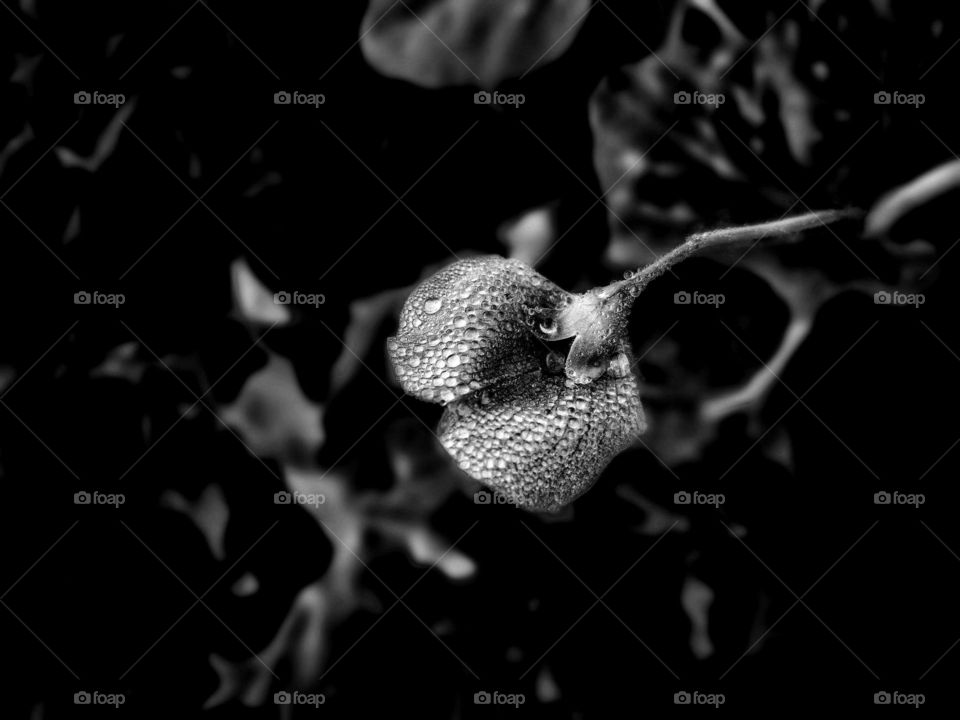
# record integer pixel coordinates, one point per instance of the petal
(470, 326)
(542, 440)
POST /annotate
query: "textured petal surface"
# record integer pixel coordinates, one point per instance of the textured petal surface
(471, 326)
(542, 440)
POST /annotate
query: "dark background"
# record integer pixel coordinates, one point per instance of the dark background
(201, 595)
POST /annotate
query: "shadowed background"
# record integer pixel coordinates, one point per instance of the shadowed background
(198, 399)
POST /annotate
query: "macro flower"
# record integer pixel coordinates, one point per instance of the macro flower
(539, 384)
(475, 337)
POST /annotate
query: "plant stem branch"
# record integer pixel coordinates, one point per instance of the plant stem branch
(730, 236)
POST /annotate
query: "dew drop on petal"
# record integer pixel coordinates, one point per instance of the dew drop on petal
(555, 362)
(431, 306)
(619, 366)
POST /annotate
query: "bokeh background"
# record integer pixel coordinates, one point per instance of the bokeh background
(199, 398)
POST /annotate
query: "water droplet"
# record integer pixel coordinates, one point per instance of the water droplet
(619, 365)
(548, 326)
(453, 361)
(555, 362)
(431, 306)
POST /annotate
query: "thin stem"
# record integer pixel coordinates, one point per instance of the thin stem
(729, 236)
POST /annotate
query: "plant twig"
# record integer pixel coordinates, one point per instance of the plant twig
(729, 236)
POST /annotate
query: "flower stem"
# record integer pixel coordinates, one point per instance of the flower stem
(597, 319)
(730, 236)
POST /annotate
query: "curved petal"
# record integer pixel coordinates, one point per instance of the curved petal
(471, 326)
(542, 440)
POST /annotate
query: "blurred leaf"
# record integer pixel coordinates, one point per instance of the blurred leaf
(465, 42)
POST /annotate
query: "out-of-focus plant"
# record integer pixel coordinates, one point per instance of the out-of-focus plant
(442, 42)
